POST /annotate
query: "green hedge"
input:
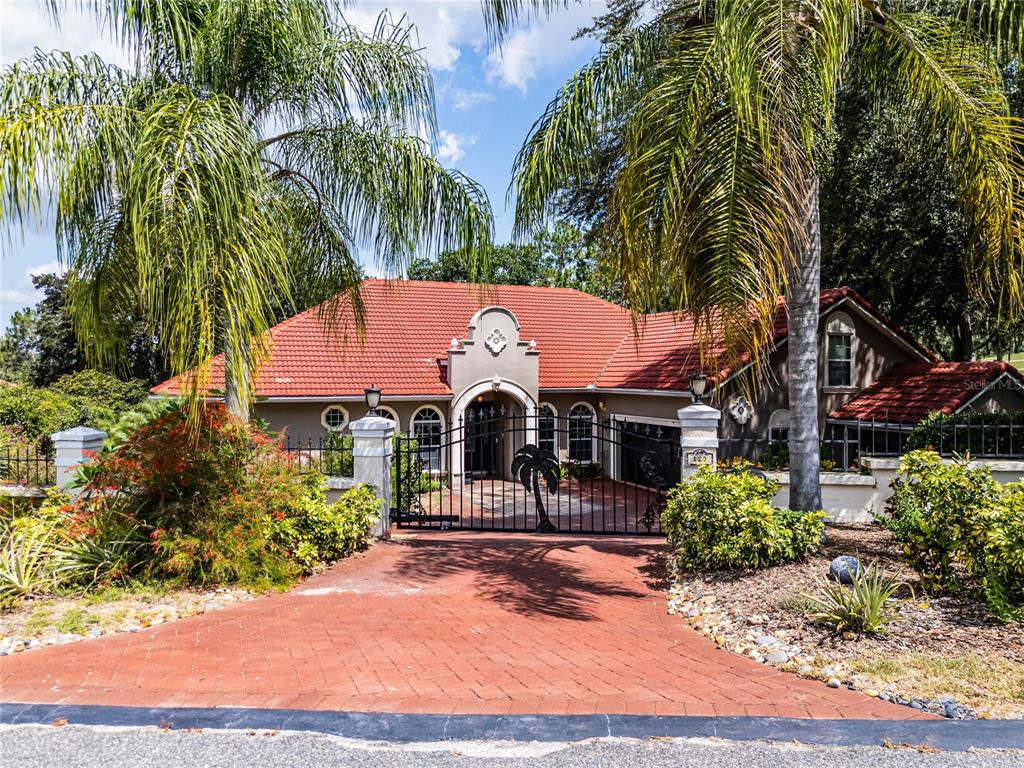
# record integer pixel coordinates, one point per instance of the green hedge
(957, 525)
(720, 520)
(89, 398)
(980, 434)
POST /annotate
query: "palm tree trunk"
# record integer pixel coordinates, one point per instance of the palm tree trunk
(803, 309)
(237, 386)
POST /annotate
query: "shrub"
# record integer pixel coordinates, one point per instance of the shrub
(208, 501)
(1002, 569)
(955, 523)
(579, 470)
(775, 456)
(41, 412)
(861, 607)
(101, 389)
(110, 547)
(717, 520)
(315, 532)
(987, 434)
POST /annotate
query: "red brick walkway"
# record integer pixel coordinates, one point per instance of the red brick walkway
(465, 623)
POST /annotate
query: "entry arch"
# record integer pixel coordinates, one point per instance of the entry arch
(506, 386)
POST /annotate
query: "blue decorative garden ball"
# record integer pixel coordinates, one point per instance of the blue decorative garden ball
(843, 568)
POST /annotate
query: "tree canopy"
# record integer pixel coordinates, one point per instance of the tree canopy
(724, 110)
(559, 256)
(251, 145)
(40, 345)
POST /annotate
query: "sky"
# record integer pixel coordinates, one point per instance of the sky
(487, 99)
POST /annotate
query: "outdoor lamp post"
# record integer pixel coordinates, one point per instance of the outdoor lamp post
(372, 395)
(698, 385)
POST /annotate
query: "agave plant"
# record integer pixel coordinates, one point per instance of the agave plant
(25, 567)
(532, 465)
(861, 607)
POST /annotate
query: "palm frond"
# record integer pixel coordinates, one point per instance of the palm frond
(947, 81)
(502, 16)
(391, 189)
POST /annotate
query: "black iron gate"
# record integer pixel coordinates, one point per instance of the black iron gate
(506, 472)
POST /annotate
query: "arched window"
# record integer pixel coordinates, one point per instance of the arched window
(334, 418)
(582, 422)
(427, 424)
(778, 427)
(546, 435)
(839, 350)
(389, 413)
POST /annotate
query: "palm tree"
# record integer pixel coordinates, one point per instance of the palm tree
(248, 150)
(724, 109)
(533, 464)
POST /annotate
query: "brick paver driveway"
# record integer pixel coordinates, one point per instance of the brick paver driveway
(467, 623)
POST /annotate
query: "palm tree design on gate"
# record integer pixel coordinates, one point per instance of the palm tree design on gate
(532, 465)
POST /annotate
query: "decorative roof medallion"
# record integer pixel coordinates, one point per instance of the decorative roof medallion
(496, 341)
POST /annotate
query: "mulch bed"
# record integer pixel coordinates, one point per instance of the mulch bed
(948, 625)
(761, 615)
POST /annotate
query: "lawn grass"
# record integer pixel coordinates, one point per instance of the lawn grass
(1015, 359)
(977, 680)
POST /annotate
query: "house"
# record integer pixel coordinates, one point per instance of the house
(565, 370)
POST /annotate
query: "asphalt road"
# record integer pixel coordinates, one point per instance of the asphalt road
(32, 746)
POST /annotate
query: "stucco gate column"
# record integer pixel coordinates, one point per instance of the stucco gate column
(372, 439)
(73, 447)
(698, 438)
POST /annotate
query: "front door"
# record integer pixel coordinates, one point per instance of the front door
(483, 434)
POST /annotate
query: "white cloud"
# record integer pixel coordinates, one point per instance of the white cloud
(453, 147)
(542, 45)
(18, 299)
(447, 28)
(49, 267)
(25, 26)
(442, 28)
(464, 100)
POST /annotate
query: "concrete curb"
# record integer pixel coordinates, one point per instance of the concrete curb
(373, 726)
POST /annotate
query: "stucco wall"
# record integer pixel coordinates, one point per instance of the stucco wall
(874, 353)
(855, 498)
(1003, 397)
(303, 418)
(475, 361)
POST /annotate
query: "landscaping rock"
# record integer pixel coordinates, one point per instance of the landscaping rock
(778, 657)
(766, 640)
(833, 682)
(843, 569)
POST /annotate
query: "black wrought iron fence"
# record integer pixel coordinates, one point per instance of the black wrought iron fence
(844, 443)
(26, 465)
(329, 454)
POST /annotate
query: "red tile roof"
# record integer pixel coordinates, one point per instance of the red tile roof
(582, 340)
(912, 391)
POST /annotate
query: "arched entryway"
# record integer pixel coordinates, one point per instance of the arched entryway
(495, 419)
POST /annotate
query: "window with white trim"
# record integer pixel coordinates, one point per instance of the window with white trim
(388, 413)
(778, 427)
(582, 421)
(546, 435)
(839, 352)
(334, 418)
(427, 425)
